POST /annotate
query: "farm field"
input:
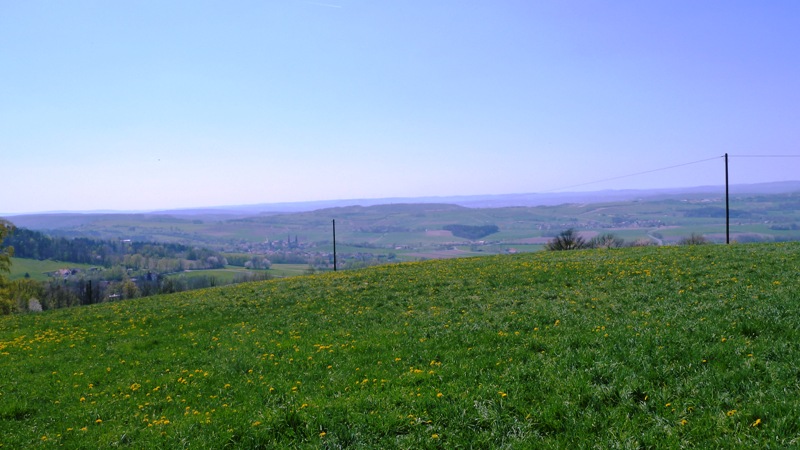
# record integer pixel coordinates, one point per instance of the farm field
(410, 232)
(38, 270)
(653, 347)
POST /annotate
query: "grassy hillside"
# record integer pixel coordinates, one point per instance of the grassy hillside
(38, 270)
(635, 348)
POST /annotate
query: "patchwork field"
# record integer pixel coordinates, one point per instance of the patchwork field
(409, 232)
(657, 347)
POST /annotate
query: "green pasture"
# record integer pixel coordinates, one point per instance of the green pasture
(226, 275)
(668, 347)
(288, 270)
(38, 269)
(230, 273)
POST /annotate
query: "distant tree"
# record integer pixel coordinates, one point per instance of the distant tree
(567, 240)
(6, 303)
(23, 291)
(129, 289)
(6, 228)
(694, 239)
(642, 242)
(606, 240)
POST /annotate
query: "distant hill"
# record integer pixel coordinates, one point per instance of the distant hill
(469, 201)
(502, 200)
(389, 229)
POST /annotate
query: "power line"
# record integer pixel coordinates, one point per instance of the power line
(765, 156)
(634, 174)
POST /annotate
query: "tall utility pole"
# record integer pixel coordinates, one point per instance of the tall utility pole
(727, 205)
(334, 245)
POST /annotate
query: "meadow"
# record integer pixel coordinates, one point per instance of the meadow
(40, 270)
(652, 347)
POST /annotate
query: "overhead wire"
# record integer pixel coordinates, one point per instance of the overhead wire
(634, 174)
(765, 156)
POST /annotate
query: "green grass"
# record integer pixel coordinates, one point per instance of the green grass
(226, 275)
(38, 269)
(671, 347)
(229, 273)
(288, 270)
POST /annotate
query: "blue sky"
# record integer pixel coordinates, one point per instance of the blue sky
(151, 104)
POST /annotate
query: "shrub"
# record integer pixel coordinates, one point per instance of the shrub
(694, 239)
(567, 240)
(606, 240)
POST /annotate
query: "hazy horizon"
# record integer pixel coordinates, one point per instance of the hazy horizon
(545, 198)
(154, 106)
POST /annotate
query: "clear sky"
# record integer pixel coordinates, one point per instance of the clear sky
(132, 105)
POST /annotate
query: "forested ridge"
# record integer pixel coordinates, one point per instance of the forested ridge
(107, 253)
(120, 269)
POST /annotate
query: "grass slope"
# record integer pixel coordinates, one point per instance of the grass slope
(37, 270)
(666, 347)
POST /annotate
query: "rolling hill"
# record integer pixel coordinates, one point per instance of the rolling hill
(654, 347)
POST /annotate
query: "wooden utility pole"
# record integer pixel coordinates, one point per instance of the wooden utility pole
(334, 245)
(727, 205)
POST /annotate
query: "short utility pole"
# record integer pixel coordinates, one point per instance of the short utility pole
(727, 205)
(334, 245)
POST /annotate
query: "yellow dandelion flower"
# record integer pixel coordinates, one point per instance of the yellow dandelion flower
(731, 412)
(756, 423)
(434, 436)
(98, 421)
(502, 394)
(322, 434)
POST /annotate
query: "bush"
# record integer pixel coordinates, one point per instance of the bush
(567, 240)
(642, 242)
(694, 239)
(606, 240)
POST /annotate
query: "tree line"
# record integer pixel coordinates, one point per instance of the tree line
(120, 270)
(572, 240)
(159, 257)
